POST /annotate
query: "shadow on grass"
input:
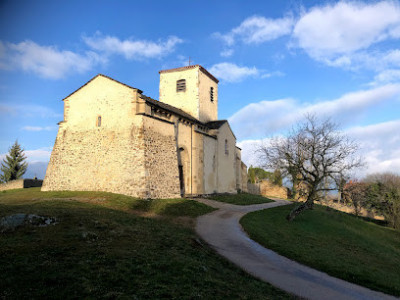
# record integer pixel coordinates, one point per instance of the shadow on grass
(240, 199)
(100, 251)
(172, 207)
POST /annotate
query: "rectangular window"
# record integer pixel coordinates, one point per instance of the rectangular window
(212, 94)
(181, 85)
(98, 121)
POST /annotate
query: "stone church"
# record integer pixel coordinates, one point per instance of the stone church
(114, 138)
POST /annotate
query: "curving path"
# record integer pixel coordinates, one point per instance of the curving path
(221, 230)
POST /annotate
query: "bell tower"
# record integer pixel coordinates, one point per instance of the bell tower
(192, 89)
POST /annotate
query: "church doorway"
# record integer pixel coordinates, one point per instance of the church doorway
(184, 171)
(181, 181)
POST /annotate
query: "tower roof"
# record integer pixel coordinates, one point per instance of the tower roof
(191, 67)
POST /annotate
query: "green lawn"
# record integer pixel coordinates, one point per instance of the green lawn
(240, 199)
(339, 244)
(112, 246)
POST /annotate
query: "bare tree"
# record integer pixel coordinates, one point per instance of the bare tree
(356, 193)
(311, 152)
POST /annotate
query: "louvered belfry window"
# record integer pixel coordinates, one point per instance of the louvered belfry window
(181, 85)
(211, 94)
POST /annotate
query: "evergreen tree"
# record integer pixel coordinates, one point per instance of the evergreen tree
(252, 175)
(277, 177)
(13, 165)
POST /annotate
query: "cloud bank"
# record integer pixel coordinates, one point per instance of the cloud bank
(46, 61)
(230, 72)
(130, 48)
(50, 62)
(267, 117)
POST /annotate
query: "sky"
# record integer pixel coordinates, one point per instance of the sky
(276, 61)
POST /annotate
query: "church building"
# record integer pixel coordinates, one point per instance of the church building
(114, 138)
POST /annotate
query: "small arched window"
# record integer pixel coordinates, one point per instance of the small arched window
(98, 123)
(212, 94)
(181, 85)
(226, 147)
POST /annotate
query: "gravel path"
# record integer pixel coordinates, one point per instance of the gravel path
(221, 230)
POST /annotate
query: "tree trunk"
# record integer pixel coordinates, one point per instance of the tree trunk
(309, 204)
(294, 189)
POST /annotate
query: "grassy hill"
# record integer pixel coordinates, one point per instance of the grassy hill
(339, 244)
(114, 247)
(240, 199)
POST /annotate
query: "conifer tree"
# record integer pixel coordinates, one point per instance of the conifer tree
(13, 165)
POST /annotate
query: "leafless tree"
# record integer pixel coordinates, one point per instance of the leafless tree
(389, 179)
(311, 152)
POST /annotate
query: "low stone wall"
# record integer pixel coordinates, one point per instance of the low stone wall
(268, 189)
(243, 169)
(20, 184)
(253, 188)
(350, 209)
(13, 184)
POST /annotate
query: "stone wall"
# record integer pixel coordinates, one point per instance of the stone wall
(244, 177)
(161, 162)
(98, 160)
(88, 156)
(269, 189)
(350, 209)
(13, 184)
(266, 188)
(253, 188)
(20, 184)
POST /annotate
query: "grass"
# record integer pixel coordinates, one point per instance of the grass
(115, 247)
(240, 199)
(339, 244)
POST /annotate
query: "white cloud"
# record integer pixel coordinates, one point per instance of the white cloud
(334, 33)
(39, 128)
(46, 61)
(373, 60)
(41, 154)
(386, 76)
(380, 146)
(263, 117)
(249, 152)
(267, 117)
(130, 48)
(273, 74)
(230, 72)
(227, 53)
(256, 30)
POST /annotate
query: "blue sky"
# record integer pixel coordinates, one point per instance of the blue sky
(276, 61)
